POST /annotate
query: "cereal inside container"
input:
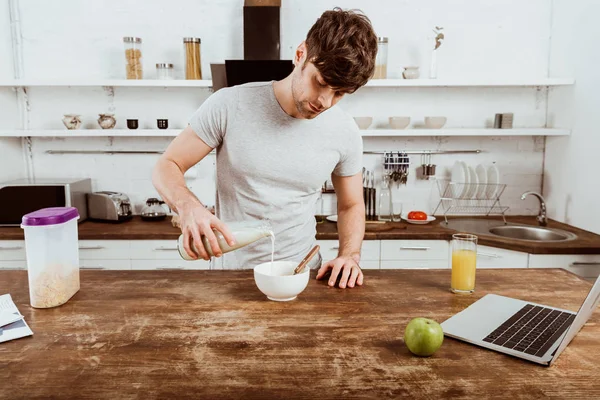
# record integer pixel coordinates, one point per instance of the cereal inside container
(51, 246)
(133, 57)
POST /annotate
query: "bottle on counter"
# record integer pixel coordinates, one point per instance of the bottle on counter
(244, 232)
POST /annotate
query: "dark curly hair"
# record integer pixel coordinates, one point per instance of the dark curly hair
(343, 46)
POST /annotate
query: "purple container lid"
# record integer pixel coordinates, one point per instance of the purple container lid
(50, 216)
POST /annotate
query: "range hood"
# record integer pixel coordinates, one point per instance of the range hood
(261, 48)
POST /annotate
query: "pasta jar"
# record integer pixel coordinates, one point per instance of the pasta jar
(193, 69)
(381, 60)
(133, 57)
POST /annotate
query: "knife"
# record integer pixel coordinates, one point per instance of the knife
(364, 178)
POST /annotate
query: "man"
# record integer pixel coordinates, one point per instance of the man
(277, 142)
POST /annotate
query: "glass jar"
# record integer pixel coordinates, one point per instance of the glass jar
(133, 57)
(193, 69)
(382, 58)
(164, 71)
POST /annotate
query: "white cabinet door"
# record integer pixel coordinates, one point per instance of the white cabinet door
(414, 264)
(12, 250)
(104, 250)
(584, 265)
(169, 264)
(414, 254)
(492, 257)
(369, 264)
(105, 264)
(154, 250)
(369, 251)
(22, 264)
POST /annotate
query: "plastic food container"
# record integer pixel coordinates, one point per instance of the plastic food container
(51, 245)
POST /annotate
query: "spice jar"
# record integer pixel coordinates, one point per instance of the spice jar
(164, 71)
(381, 60)
(133, 57)
(193, 69)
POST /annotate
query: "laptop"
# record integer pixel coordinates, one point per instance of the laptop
(522, 329)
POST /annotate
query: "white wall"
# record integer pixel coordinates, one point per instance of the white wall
(72, 39)
(571, 186)
(12, 164)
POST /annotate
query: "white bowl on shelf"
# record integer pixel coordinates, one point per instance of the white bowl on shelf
(278, 282)
(435, 122)
(399, 122)
(363, 122)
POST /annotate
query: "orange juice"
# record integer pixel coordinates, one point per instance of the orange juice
(463, 270)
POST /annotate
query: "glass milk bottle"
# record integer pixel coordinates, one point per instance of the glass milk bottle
(51, 246)
(244, 233)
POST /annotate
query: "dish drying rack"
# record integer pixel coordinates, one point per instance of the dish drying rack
(459, 198)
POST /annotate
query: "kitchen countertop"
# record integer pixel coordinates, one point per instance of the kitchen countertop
(212, 334)
(136, 229)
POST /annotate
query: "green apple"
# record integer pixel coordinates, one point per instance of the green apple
(423, 336)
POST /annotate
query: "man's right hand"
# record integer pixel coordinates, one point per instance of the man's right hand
(196, 221)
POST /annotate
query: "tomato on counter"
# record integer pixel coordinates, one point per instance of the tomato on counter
(417, 215)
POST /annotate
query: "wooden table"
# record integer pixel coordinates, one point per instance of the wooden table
(212, 334)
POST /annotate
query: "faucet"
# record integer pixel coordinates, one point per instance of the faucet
(541, 217)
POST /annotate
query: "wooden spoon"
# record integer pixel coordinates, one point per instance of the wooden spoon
(306, 259)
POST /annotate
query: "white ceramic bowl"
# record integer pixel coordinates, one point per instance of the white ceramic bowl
(399, 122)
(279, 283)
(435, 122)
(363, 122)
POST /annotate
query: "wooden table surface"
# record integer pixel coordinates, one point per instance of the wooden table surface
(212, 334)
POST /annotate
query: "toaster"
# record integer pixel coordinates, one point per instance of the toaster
(109, 206)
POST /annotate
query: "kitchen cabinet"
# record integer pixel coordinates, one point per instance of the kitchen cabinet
(12, 254)
(492, 257)
(162, 264)
(154, 250)
(104, 250)
(584, 265)
(370, 252)
(414, 254)
(105, 264)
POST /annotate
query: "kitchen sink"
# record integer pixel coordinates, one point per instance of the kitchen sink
(515, 231)
(532, 233)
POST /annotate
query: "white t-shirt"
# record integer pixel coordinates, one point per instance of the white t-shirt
(271, 166)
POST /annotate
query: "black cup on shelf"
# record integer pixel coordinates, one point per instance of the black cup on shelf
(162, 123)
(132, 123)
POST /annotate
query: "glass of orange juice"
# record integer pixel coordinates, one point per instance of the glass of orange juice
(464, 261)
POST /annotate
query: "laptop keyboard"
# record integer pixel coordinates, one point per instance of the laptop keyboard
(532, 330)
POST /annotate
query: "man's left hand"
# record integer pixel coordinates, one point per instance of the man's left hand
(351, 274)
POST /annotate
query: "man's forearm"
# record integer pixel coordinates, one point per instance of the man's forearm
(168, 179)
(351, 230)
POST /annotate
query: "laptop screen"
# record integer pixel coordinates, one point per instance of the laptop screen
(584, 313)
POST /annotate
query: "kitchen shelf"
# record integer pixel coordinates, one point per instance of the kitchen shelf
(469, 82)
(365, 133)
(466, 132)
(207, 83)
(182, 83)
(91, 133)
